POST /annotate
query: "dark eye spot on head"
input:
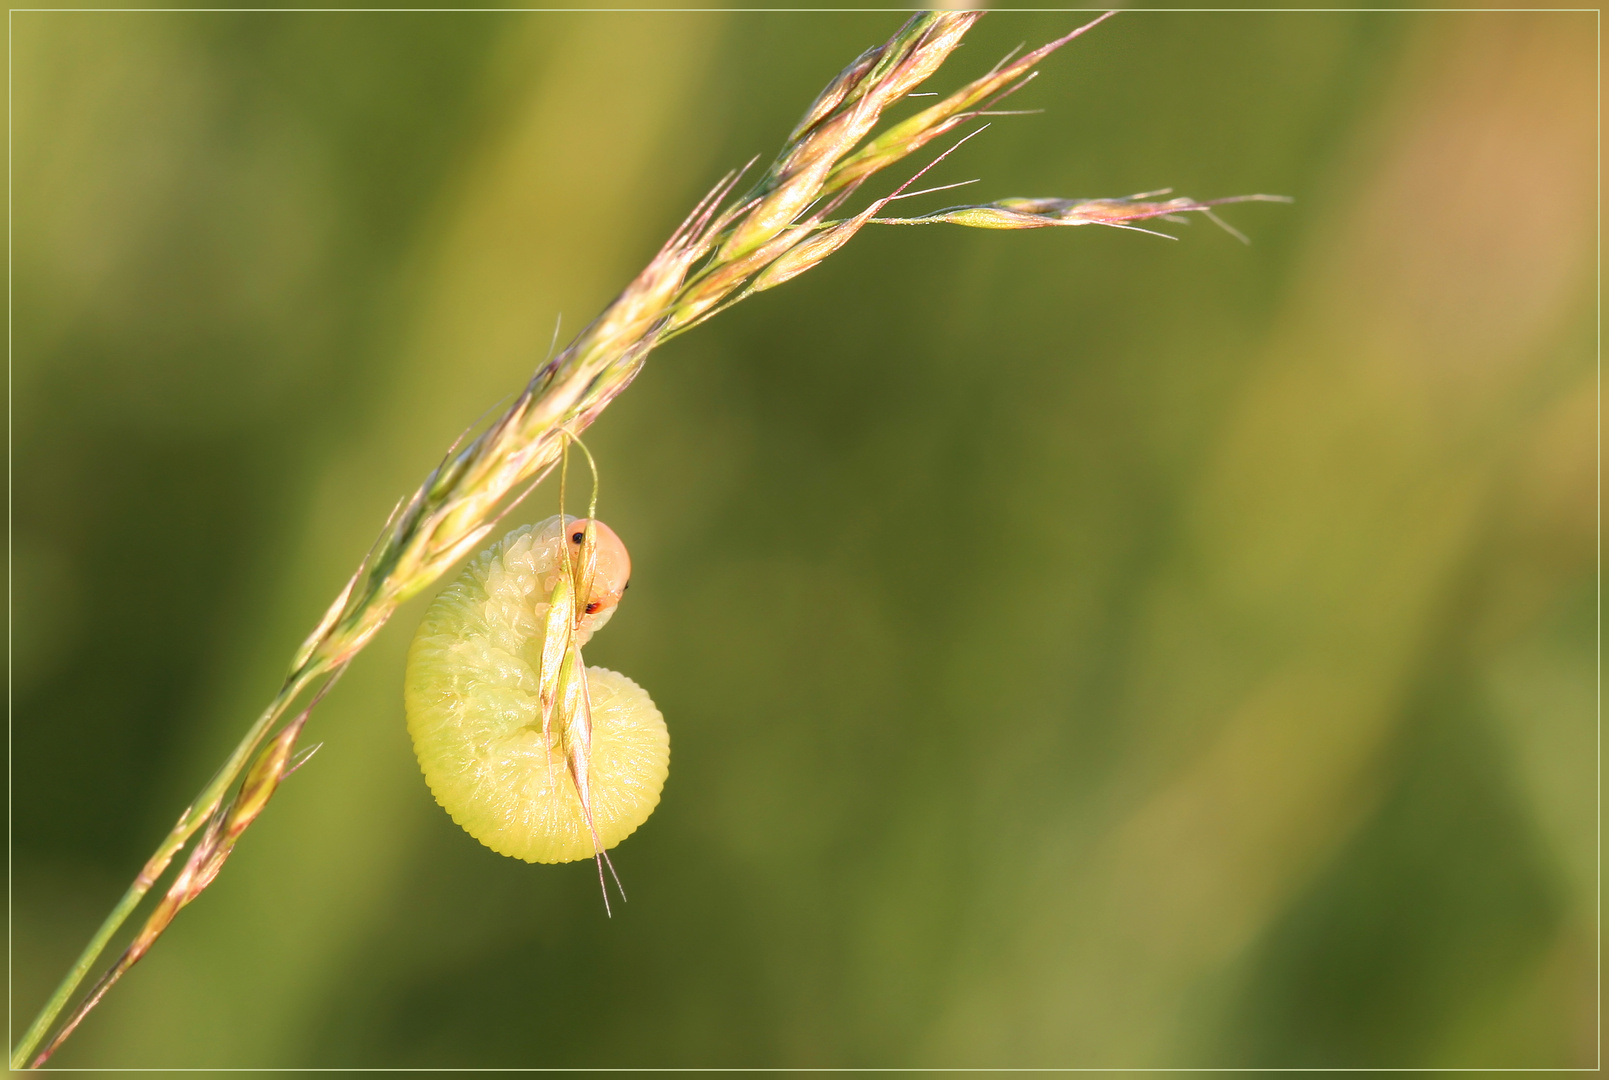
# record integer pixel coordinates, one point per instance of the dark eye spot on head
(576, 538)
(592, 608)
(626, 586)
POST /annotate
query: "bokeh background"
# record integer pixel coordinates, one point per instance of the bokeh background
(1079, 648)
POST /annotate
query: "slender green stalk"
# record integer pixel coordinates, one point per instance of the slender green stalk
(721, 254)
(204, 806)
(81, 967)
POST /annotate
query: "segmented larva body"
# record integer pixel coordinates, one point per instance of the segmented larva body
(474, 706)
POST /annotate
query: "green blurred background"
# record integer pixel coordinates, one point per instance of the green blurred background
(1078, 648)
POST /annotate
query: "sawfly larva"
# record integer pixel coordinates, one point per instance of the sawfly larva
(536, 755)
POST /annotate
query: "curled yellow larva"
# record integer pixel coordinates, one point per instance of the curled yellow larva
(473, 698)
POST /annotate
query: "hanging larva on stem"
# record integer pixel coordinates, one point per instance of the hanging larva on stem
(480, 701)
(533, 753)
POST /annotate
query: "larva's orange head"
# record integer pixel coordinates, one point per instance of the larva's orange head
(611, 571)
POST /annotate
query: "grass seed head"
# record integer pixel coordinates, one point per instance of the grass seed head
(726, 250)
